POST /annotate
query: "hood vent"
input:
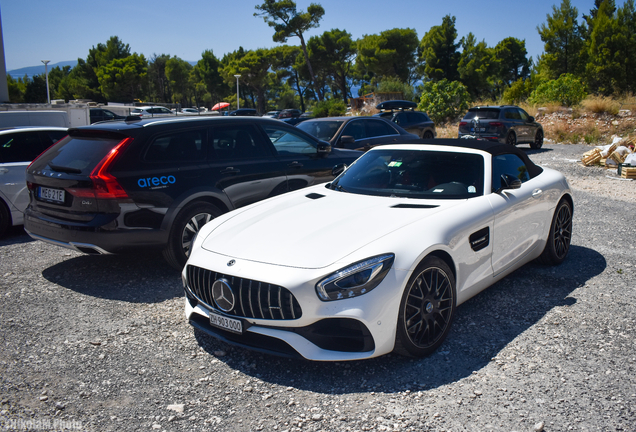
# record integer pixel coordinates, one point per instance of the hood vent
(314, 196)
(415, 206)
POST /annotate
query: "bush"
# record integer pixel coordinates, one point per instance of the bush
(444, 100)
(330, 108)
(519, 91)
(566, 90)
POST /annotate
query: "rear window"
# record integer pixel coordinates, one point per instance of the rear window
(76, 155)
(324, 130)
(482, 113)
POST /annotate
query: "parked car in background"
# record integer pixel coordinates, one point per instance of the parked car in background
(152, 111)
(379, 259)
(189, 111)
(101, 114)
(401, 113)
(271, 114)
(118, 186)
(18, 147)
(506, 124)
(359, 133)
(289, 113)
(243, 112)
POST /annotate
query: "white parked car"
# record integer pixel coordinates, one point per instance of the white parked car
(18, 147)
(378, 260)
(151, 111)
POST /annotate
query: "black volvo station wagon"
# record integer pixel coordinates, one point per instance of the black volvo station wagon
(120, 186)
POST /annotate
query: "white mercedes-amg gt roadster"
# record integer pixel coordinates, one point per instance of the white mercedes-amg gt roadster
(377, 260)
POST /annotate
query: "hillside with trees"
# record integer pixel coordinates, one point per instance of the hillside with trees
(593, 53)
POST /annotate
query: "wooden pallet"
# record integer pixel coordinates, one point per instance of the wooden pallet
(628, 172)
(592, 157)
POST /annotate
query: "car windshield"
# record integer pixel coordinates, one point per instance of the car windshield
(419, 174)
(324, 130)
(488, 113)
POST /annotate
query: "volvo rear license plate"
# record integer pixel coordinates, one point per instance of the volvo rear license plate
(229, 324)
(478, 129)
(49, 194)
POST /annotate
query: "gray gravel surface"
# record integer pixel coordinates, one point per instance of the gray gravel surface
(100, 343)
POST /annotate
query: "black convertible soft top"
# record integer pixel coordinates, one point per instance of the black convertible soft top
(494, 148)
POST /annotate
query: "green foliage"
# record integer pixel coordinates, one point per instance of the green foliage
(392, 53)
(35, 91)
(519, 91)
(567, 90)
(563, 39)
(329, 108)
(476, 66)
(17, 88)
(121, 79)
(332, 55)
(444, 100)
(439, 52)
(511, 60)
(288, 21)
(394, 85)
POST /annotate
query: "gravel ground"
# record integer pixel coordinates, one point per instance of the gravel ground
(100, 343)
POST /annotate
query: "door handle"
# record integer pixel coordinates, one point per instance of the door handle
(3, 170)
(230, 170)
(536, 193)
(295, 164)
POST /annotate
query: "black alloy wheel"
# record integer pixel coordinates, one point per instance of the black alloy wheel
(538, 140)
(427, 309)
(186, 226)
(511, 139)
(560, 236)
(427, 135)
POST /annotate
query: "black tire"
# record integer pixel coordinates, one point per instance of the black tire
(538, 140)
(5, 219)
(511, 139)
(426, 310)
(187, 223)
(427, 135)
(560, 236)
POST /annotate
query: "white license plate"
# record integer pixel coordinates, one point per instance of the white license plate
(230, 324)
(478, 129)
(49, 194)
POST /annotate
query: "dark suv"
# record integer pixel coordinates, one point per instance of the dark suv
(116, 186)
(401, 113)
(506, 124)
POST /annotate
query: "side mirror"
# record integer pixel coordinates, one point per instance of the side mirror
(338, 169)
(346, 139)
(323, 148)
(509, 182)
(530, 119)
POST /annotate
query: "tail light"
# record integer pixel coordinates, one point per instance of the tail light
(105, 185)
(463, 123)
(496, 124)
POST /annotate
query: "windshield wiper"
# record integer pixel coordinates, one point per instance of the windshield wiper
(68, 170)
(341, 189)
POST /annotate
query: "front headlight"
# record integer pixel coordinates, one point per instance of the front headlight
(356, 279)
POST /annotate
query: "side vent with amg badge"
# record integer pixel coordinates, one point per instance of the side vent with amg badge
(314, 195)
(480, 239)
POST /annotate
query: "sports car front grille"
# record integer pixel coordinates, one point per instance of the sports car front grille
(253, 299)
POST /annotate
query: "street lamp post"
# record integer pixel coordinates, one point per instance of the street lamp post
(46, 72)
(237, 91)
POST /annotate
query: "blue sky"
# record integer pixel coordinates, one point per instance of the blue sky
(61, 30)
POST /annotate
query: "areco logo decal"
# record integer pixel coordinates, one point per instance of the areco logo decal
(156, 181)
